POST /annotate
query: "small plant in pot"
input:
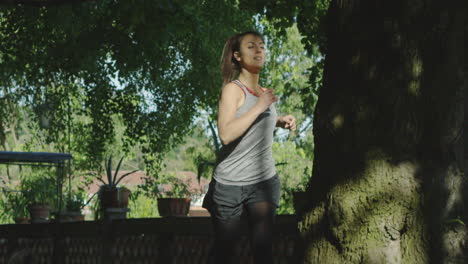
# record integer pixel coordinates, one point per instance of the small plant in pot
(40, 195)
(73, 206)
(110, 194)
(14, 205)
(173, 196)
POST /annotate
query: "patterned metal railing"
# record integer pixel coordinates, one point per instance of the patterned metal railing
(134, 241)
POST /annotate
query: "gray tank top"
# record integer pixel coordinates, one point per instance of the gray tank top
(248, 159)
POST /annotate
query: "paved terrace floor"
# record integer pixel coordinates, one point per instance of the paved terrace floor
(149, 240)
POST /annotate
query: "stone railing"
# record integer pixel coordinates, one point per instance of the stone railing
(151, 240)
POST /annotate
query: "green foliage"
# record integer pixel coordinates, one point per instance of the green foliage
(294, 172)
(454, 221)
(287, 72)
(306, 144)
(194, 146)
(205, 167)
(13, 204)
(142, 206)
(24, 186)
(309, 15)
(195, 153)
(101, 78)
(282, 19)
(151, 65)
(75, 201)
(175, 187)
(112, 179)
(167, 185)
(40, 187)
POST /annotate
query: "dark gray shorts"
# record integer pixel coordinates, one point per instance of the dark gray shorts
(227, 201)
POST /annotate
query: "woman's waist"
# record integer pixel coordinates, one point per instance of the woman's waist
(245, 161)
(244, 176)
(237, 155)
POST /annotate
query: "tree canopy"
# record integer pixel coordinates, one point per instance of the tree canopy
(151, 64)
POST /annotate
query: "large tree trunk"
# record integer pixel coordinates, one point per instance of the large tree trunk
(388, 184)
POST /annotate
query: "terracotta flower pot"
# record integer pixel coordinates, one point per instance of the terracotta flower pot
(71, 217)
(39, 213)
(115, 198)
(174, 206)
(78, 218)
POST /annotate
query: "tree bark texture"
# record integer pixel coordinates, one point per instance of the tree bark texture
(388, 184)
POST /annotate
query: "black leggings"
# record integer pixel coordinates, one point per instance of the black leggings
(261, 217)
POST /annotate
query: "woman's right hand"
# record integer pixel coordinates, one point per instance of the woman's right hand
(266, 99)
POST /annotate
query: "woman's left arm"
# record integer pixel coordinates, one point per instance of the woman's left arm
(287, 122)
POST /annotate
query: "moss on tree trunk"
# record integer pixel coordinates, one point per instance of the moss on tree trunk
(388, 183)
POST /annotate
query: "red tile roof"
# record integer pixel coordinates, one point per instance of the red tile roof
(137, 178)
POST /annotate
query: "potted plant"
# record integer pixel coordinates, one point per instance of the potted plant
(74, 203)
(14, 205)
(173, 195)
(110, 194)
(40, 195)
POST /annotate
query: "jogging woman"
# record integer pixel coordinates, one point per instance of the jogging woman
(245, 179)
